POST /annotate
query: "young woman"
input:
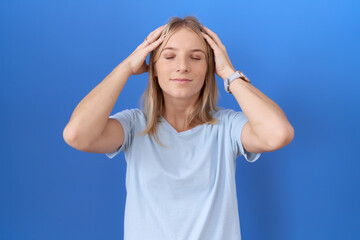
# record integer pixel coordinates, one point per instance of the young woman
(181, 149)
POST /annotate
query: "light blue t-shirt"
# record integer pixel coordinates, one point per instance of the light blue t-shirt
(188, 190)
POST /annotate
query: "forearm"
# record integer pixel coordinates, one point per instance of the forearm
(89, 118)
(266, 118)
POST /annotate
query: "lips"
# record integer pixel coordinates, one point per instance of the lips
(181, 80)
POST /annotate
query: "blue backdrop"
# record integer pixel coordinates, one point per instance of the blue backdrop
(302, 54)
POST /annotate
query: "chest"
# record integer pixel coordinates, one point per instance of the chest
(187, 168)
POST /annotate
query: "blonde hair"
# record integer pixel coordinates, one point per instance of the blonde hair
(153, 97)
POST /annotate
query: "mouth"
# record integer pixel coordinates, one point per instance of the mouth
(181, 80)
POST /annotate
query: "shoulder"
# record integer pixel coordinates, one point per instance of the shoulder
(131, 116)
(134, 112)
(138, 112)
(224, 114)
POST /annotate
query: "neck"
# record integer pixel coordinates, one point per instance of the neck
(177, 111)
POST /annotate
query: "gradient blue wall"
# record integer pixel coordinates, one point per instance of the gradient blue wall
(301, 54)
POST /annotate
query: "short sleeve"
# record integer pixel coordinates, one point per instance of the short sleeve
(238, 120)
(127, 119)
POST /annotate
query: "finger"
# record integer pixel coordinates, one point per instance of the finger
(211, 42)
(152, 37)
(148, 49)
(155, 34)
(158, 29)
(215, 47)
(215, 37)
(155, 44)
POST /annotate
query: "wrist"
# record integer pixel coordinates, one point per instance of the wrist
(124, 68)
(234, 76)
(236, 84)
(227, 73)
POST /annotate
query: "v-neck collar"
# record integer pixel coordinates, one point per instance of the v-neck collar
(174, 131)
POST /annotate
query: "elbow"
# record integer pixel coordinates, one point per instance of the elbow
(72, 139)
(288, 136)
(69, 136)
(284, 137)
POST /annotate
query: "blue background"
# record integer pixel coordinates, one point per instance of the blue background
(301, 54)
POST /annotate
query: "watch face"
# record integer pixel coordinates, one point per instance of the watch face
(244, 77)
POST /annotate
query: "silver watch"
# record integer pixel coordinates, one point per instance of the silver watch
(232, 77)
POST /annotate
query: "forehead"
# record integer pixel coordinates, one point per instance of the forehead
(184, 38)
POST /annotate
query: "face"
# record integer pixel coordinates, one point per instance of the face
(181, 68)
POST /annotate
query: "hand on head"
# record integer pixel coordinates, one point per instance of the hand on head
(136, 62)
(223, 64)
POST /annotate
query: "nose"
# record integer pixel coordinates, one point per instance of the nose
(183, 65)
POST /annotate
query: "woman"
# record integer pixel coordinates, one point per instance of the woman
(181, 149)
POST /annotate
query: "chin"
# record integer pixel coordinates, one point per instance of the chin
(182, 94)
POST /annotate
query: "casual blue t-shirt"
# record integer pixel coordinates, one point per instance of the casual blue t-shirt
(187, 190)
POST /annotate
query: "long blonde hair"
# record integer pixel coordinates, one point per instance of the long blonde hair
(153, 97)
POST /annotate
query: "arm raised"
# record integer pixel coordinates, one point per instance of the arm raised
(90, 119)
(90, 128)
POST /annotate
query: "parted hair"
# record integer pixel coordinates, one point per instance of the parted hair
(152, 100)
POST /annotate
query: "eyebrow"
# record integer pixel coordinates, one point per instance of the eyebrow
(192, 50)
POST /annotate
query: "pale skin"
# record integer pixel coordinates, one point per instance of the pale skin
(183, 57)
(267, 129)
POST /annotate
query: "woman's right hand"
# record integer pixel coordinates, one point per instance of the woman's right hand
(136, 62)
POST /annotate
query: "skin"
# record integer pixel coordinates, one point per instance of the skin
(183, 57)
(89, 128)
(267, 128)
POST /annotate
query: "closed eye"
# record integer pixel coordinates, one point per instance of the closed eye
(195, 58)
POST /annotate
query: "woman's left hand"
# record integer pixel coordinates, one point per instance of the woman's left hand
(223, 64)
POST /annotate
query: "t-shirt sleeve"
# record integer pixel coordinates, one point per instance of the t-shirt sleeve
(127, 119)
(238, 120)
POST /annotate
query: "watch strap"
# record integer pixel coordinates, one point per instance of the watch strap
(232, 77)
